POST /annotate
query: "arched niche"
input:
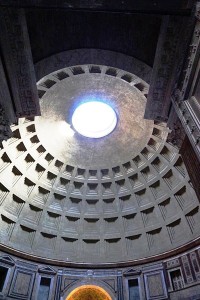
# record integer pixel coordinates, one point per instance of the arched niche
(89, 292)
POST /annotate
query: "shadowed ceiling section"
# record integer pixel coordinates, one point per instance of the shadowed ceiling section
(73, 30)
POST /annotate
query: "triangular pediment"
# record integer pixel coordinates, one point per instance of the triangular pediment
(47, 270)
(7, 259)
(131, 272)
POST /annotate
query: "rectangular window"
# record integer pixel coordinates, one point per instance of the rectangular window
(176, 279)
(134, 293)
(3, 274)
(44, 288)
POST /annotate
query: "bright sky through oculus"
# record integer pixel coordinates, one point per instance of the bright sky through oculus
(94, 119)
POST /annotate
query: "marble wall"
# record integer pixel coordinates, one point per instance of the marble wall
(174, 278)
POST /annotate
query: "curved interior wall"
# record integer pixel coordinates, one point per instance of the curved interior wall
(175, 278)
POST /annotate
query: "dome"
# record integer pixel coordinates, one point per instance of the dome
(99, 150)
(119, 198)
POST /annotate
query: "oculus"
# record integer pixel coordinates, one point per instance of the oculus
(94, 119)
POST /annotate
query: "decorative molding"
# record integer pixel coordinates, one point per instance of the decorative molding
(183, 100)
(47, 270)
(155, 285)
(189, 121)
(17, 58)
(191, 63)
(169, 57)
(7, 105)
(22, 284)
(120, 288)
(197, 13)
(6, 259)
(58, 287)
(177, 134)
(187, 269)
(195, 264)
(5, 131)
(27, 265)
(131, 272)
(192, 164)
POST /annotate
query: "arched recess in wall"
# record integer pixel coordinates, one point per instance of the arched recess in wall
(108, 290)
(92, 292)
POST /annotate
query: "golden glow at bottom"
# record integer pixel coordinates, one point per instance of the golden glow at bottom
(91, 292)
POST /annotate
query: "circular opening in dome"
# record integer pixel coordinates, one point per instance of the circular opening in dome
(94, 119)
